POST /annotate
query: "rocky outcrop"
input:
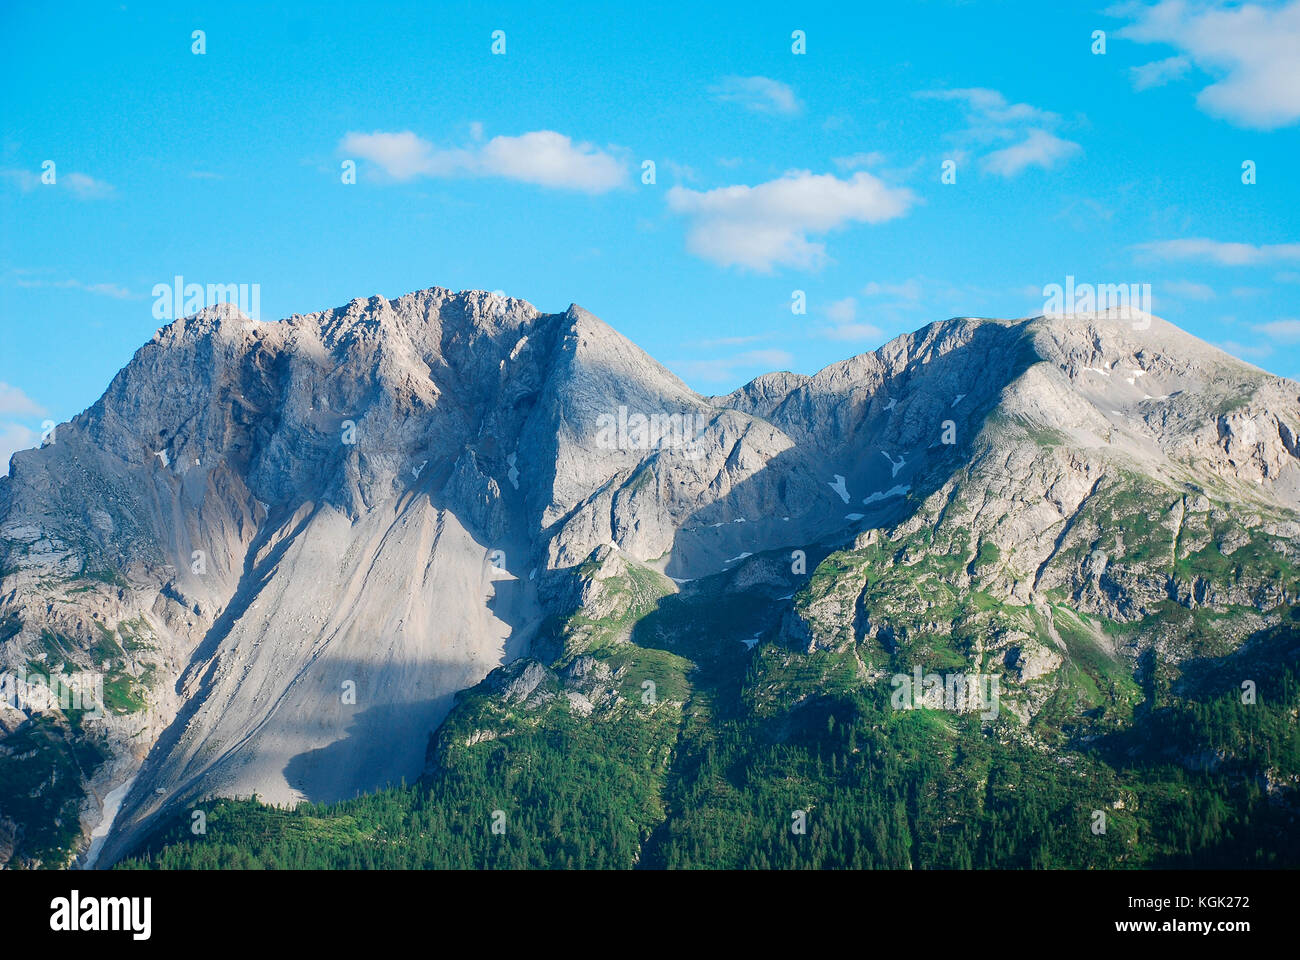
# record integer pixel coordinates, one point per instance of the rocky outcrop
(294, 542)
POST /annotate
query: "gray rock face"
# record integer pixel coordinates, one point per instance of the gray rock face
(321, 529)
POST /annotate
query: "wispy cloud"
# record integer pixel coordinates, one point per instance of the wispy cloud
(771, 224)
(542, 157)
(760, 94)
(1038, 149)
(859, 161)
(114, 290)
(729, 368)
(1246, 351)
(1187, 290)
(15, 403)
(81, 185)
(1250, 47)
(992, 119)
(1287, 329)
(909, 289)
(1214, 251)
(729, 341)
(14, 437)
(1159, 72)
(986, 106)
(844, 324)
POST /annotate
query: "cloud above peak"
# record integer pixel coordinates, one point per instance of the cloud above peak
(773, 223)
(991, 119)
(542, 157)
(760, 94)
(1251, 48)
(1038, 149)
(1224, 254)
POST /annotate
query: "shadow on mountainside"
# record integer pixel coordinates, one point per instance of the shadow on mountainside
(994, 356)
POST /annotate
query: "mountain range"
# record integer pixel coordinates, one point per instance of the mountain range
(448, 562)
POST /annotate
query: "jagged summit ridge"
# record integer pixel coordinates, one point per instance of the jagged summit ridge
(395, 494)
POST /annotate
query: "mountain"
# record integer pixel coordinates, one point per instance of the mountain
(422, 539)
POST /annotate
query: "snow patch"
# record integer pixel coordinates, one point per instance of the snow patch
(898, 491)
(839, 486)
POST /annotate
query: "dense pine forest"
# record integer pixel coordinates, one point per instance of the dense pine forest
(770, 758)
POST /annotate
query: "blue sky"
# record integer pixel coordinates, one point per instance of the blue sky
(522, 171)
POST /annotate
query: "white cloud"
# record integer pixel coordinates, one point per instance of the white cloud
(1038, 149)
(541, 157)
(550, 159)
(750, 361)
(116, 291)
(1188, 290)
(989, 106)
(760, 94)
(14, 437)
(769, 224)
(84, 186)
(909, 289)
(1159, 72)
(1224, 254)
(1245, 351)
(401, 155)
(1251, 47)
(858, 161)
(13, 402)
(991, 119)
(843, 311)
(853, 331)
(843, 315)
(1287, 329)
(730, 341)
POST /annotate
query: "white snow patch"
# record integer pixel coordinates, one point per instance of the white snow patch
(891, 404)
(513, 476)
(898, 491)
(112, 802)
(741, 557)
(896, 465)
(958, 399)
(854, 516)
(839, 486)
